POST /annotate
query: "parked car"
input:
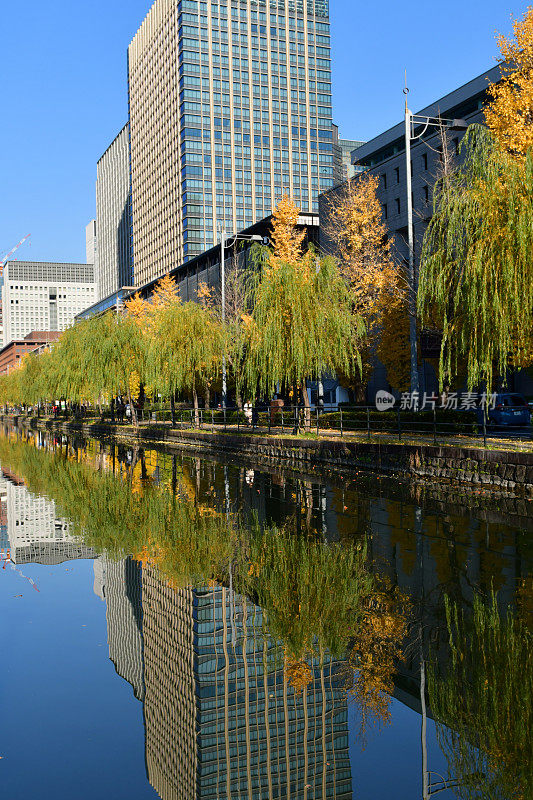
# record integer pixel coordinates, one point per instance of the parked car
(510, 410)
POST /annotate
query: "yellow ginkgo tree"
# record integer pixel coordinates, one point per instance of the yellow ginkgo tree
(356, 236)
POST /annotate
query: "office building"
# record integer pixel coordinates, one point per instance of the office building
(41, 296)
(91, 247)
(113, 218)
(343, 169)
(230, 108)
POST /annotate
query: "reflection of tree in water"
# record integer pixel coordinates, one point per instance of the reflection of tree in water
(483, 700)
(375, 651)
(319, 599)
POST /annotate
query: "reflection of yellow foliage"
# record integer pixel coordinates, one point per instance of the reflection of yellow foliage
(298, 673)
(376, 649)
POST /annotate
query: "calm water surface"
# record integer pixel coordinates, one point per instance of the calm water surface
(185, 627)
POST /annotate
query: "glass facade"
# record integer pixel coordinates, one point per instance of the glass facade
(250, 118)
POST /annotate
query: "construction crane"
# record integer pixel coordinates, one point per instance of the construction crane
(6, 258)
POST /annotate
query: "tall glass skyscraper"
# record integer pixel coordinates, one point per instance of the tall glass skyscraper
(230, 107)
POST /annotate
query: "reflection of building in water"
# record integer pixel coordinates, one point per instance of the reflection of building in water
(169, 677)
(4, 541)
(34, 531)
(119, 582)
(220, 719)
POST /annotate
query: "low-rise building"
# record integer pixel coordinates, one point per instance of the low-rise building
(12, 353)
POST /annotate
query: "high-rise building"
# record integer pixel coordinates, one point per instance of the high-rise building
(113, 217)
(41, 296)
(91, 248)
(343, 169)
(230, 107)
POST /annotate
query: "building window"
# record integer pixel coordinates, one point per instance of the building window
(426, 194)
(384, 181)
(425, 161)
(398, 206)
(385, 211)
(397, 174)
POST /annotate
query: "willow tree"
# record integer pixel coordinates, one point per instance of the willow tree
(476, 267)
(69, 366)
(186, 349)
(482, 701)
(476, 261)
(302, 323)
(34, 378)
(114, 350)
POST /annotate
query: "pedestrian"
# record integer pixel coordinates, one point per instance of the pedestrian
(248, 412)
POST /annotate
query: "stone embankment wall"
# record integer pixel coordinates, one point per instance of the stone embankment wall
(506, 470)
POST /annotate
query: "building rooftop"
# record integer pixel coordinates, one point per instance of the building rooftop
(454, 104)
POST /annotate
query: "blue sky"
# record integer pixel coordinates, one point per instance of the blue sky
(63, 89)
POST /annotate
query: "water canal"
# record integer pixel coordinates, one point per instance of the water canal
(180, 626)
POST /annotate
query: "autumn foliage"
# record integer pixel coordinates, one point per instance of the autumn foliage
(509, 115)
(377, 285)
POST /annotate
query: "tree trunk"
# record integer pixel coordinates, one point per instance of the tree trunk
(144, 473)
(307, 408)
(132, 409)
(238, 399)
(195, 406)
(207, 396)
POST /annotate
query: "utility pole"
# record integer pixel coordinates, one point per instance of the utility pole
(415, 384)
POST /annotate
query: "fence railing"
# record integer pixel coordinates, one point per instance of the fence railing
(342, 421)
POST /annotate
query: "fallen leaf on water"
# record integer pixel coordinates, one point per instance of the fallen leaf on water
(18, 595)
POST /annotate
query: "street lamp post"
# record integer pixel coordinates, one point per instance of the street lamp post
(223, 240)
(426, 122)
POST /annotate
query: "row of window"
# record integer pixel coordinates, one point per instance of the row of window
(397, 203)
(259, 17)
